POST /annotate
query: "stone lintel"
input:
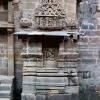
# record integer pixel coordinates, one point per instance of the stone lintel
(6, 25)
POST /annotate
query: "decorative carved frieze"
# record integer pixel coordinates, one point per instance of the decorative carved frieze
(50, 15)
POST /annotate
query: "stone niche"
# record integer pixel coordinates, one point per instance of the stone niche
(49, 69)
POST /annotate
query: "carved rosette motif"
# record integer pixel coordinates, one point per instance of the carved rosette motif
(50, 15)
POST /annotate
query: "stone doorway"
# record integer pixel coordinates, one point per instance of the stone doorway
(50, 52)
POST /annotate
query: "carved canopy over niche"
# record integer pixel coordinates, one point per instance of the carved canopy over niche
(50, 15)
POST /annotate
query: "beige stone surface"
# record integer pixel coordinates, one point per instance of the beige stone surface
(70, 7)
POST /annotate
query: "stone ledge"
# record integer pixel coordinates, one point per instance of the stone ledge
(26, 55)
(6, 25)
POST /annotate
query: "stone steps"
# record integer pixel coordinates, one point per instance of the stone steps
(4, 98)
(6, 79)
(5, 94)
(6, 87)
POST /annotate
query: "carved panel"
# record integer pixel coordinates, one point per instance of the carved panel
(49, 54)
(50, 15)
(25, 22)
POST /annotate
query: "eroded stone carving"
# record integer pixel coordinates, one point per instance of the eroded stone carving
(50, 15)
(72, 23)
(25, 22)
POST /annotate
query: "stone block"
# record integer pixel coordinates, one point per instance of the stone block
(28, 13)
(28, 96)
(4, 71)
(71, 89)
(68, 56)
(5, 87)
(70, 1)
(84, 26)
(75, 97)
(5, 94)
(4, 16)
(29, 79)
(52, 74)
(47, 70)
(70, 15)
(50, 84)
(51, 64)
(33, 64)
(94, 96)
(30, 88)
(40, 97)
(59, 97)
(89, 61)
(97, 88)
(6, 79)
(5, 62)
(67, 64)
(51, 79)
(70, 7)
(16, 1)
(91, 27)
(92, 88)
(5, 98)
(16, 7)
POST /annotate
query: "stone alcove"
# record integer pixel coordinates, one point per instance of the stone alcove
(39, 79)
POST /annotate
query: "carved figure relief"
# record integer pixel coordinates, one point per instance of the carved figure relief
(50, 15)
(25, 22)
(49, 54)
(72, 24)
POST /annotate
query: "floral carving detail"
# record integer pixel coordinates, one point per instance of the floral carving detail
(50, 15)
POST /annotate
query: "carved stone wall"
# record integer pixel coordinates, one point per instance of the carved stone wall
(47, 73)
(43, 15)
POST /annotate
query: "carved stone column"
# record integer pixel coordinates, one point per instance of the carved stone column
(10, 52)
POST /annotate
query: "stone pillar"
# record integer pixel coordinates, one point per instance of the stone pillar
(10, 11)
(10, 52)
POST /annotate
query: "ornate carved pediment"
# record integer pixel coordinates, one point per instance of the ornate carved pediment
(50, 15)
